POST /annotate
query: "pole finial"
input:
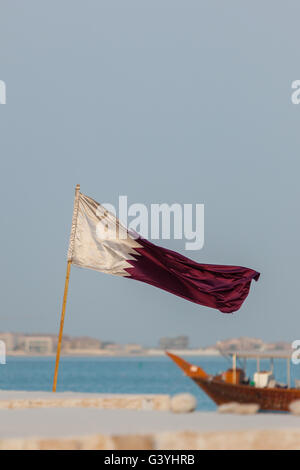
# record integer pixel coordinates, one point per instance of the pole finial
(77, 187)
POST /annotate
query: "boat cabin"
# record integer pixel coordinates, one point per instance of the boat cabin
(261, 378)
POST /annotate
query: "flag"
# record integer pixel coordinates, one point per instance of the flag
(99, 241)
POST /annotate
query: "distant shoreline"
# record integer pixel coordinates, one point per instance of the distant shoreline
(150, 354)
(116, 354)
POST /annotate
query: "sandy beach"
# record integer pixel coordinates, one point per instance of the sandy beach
(76, 423)
(66, 422)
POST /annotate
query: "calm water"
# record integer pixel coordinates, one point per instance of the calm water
(120, 375)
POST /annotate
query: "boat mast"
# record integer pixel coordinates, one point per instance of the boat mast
(234, 367)
(288, 372)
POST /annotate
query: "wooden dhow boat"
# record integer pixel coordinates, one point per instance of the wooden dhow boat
(232, 385)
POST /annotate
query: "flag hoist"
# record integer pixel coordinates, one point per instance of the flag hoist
(63, 311)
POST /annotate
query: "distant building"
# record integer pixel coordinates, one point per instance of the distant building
(38, 344)
(240, 344)
(112, 347)
(10, 341)
(84, 342)
(133, 348)
(179, 342)
(278, 346)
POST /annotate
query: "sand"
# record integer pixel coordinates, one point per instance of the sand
(56, 422)
(81, 427)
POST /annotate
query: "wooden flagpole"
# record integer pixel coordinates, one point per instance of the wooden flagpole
(61, 328)
(63, 312)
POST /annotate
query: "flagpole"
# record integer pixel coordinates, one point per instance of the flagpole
(61, 328)
(63, 311)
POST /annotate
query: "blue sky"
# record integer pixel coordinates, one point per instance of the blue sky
(163, 101)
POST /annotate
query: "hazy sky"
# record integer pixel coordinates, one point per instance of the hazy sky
(162, 101)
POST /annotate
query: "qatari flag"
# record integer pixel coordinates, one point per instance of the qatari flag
(99, 241)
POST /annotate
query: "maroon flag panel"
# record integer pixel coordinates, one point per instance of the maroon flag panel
(222, 287)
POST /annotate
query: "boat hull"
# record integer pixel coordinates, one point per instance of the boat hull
(273, 399)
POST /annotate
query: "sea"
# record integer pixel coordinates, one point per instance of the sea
(122, 374)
